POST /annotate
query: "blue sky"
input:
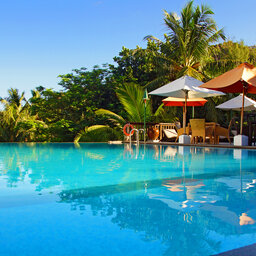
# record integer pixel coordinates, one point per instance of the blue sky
(41, 39)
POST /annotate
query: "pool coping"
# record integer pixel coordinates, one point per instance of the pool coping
(193, 145)
(142, 143)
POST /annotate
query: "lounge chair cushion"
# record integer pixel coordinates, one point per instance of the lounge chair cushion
(170, 133)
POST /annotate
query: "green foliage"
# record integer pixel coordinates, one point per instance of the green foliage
(135, 65)
(114, 118)
(166, 114)
(33, 130)
(69, 111)
(226, 56)
(98, 133)
(17, 123)
(61, 130)
(131, 97)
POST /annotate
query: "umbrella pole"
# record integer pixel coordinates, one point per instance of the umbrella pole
(185, 112)
(144, 131)
(242, 115)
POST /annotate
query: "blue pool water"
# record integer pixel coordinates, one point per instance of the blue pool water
(100, 199)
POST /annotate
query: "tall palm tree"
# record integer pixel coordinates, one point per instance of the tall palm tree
(12, 114)
(16, 120)
(15, 98)
(187, 41)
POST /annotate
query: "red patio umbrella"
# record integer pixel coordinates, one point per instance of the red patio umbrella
(241, 79)
(179, 102)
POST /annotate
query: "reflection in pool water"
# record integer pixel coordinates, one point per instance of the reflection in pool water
(60, 199)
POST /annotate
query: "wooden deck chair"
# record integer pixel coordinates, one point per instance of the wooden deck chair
(167, 131)
(222, 132)
(180, 130)
(199, 130)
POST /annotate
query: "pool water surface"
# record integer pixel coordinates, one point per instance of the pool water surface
(92, 199)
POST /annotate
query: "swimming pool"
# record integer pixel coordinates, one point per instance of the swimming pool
(100, 199)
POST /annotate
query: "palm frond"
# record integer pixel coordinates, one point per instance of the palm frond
(97, 127)
(91, 131)
(113, 117)
(152, 38)
(131, 97)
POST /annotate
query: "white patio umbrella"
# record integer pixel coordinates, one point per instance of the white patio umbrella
(236, 104)
(185, 87)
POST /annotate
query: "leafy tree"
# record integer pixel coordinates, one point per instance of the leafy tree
(135, 65)
(88, 90)
(72, 109)
(226, 56)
